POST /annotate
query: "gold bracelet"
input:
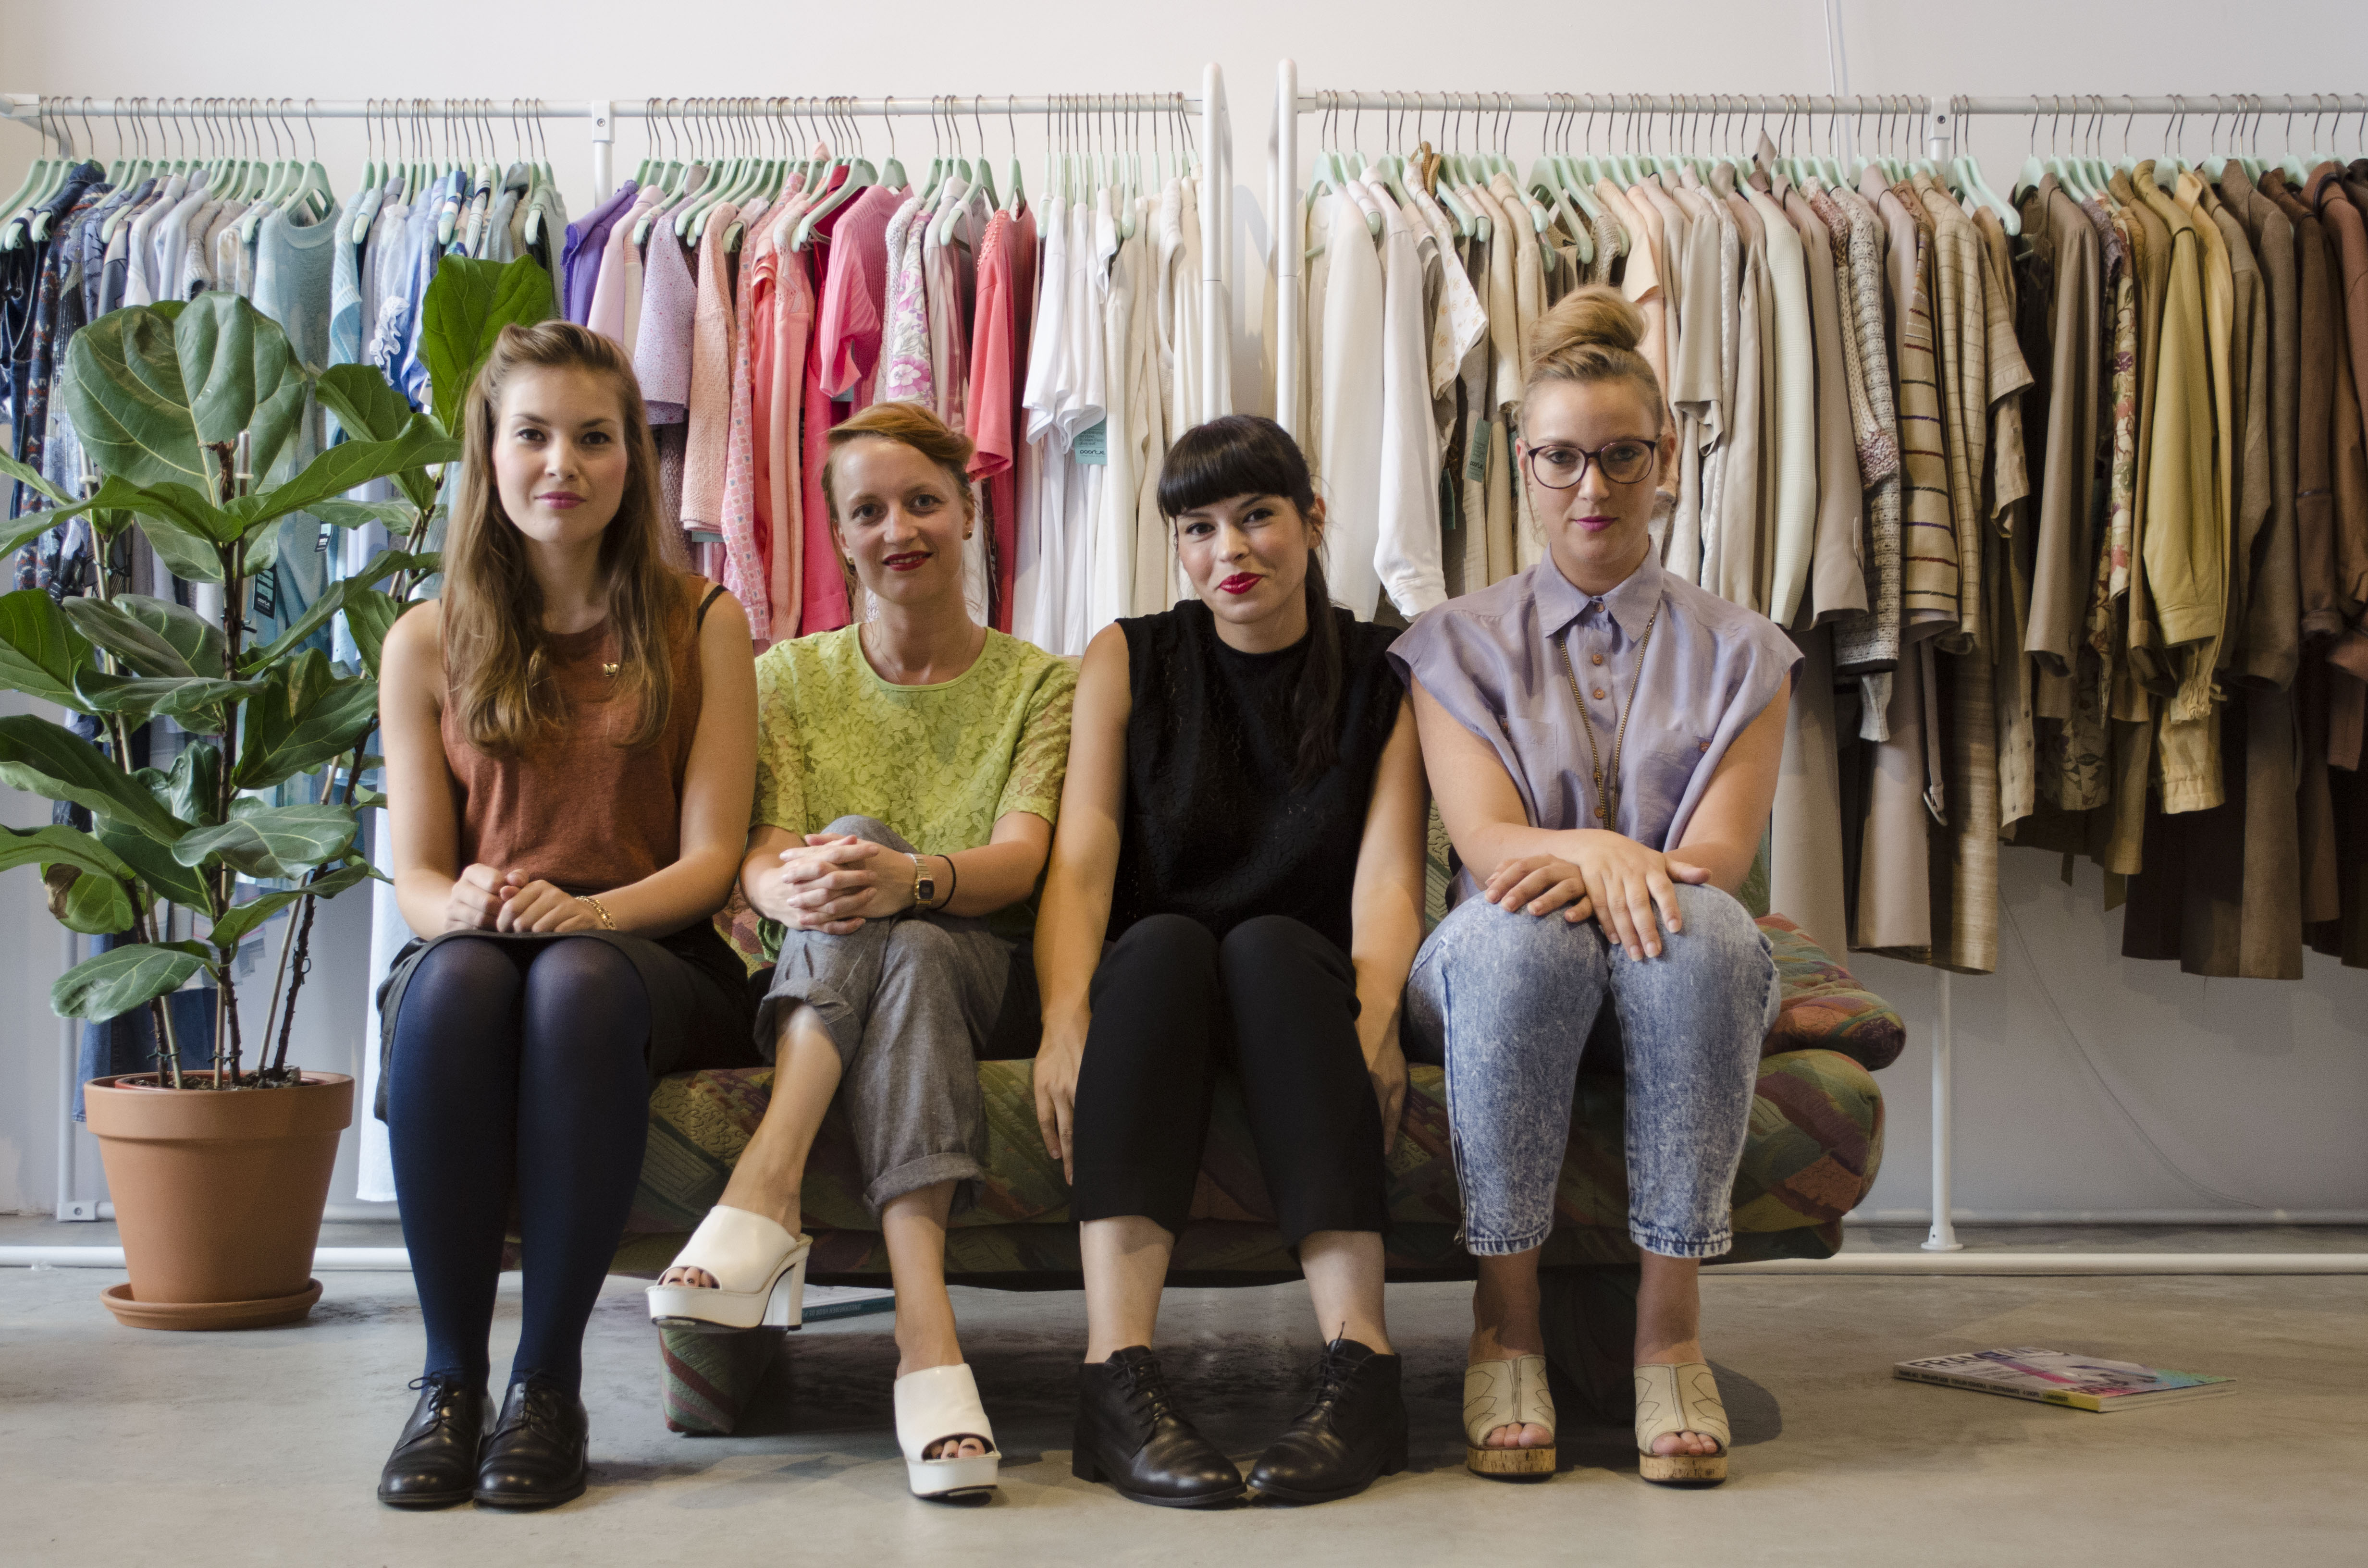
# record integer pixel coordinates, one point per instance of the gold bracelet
(607, 921)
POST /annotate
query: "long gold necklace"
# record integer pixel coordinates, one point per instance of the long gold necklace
(1607, 790)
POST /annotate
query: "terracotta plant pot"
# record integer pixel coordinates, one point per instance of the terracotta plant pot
(218, 1197)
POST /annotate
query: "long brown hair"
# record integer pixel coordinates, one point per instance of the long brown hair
(496, 662)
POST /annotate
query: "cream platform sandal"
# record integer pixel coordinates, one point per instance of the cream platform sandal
(932, 1405)
(760, 1271)
(1679, 1399)
(1511, 1392)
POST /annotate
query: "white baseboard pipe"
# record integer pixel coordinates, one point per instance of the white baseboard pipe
(2114, 1217)
(2066, 1263)
(331, 1213)
(394, 1260)
(381, 1260)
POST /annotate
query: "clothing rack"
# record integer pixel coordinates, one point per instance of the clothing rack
(55, 117)
(1940, 133)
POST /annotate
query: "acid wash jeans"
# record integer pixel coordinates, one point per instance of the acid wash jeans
(1507, 1001)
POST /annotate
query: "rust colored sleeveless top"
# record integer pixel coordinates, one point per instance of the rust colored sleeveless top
(576, 808)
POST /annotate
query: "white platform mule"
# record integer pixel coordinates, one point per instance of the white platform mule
(932, 1405)
(760, 1271)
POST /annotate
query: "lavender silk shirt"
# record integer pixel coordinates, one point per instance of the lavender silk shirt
(1492, 660)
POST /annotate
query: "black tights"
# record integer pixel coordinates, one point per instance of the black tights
(517, 1063)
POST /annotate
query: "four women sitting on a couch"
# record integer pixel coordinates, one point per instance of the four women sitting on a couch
(1236, 885)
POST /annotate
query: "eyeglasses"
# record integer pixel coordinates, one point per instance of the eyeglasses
(1560, 466)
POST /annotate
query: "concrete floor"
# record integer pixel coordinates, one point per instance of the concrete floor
(124, 1446)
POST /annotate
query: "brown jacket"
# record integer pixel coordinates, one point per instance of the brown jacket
(2272, 629)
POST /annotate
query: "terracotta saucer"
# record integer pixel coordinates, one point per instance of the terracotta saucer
(209, 1314)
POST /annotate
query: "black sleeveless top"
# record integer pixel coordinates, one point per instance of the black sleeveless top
(1214, 827)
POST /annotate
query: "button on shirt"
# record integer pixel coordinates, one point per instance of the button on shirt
(1492, 660)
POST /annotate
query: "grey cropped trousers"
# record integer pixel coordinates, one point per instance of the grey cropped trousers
(913, 1003)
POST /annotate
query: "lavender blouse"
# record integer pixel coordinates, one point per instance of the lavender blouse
(1492, 660)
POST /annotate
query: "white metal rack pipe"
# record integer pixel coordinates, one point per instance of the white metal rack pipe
(59, 113)
(1857, 1264)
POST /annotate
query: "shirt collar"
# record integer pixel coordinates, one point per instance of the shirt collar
(1630, 603)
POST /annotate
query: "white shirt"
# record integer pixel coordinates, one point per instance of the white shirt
(1407, 549)
(140, 251)
(1352, 404)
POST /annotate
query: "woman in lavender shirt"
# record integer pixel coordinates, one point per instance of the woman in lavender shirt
(1603, 739)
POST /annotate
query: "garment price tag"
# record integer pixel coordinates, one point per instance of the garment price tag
(1091, 445)
(1477, 468)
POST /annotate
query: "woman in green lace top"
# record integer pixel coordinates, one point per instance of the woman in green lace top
(908, 774)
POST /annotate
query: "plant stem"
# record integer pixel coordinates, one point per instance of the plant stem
(168, 1059)
(295, 984)
(225, 880)
(228, 1004)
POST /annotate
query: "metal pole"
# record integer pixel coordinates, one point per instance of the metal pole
(1944, 1039)
(69, 1206)
(1286, 241)
(604, 140)
(1216, 178)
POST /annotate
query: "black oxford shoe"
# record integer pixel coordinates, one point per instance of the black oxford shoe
(536, 1457)
(1131, 1434)
(1353, 1430)
(435, 1462)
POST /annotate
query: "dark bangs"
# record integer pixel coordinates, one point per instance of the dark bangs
(1238, 454)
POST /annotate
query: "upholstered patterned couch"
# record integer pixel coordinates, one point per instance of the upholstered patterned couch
(1815, 1145)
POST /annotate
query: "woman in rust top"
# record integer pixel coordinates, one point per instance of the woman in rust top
(570, 739)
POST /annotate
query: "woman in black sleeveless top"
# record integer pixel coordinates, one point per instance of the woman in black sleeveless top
(1243, 825)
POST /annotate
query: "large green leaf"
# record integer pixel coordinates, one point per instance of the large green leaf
(41, 653)
(183, 509)
(308, 716)
(194, 787)
(52, 761)
(150, 389)
(468, 304)
(270, 841)
(153, 637)
(94, 902)
(32, 478)
(263, 545)
(233, 926)
(163, 875)
(121, 978)
(14, 536)
(345, 465)
(367, 408)
(395, 517)
(94, 906)
(370, 616)
(194, 702)
(385, 564)
(56, 845)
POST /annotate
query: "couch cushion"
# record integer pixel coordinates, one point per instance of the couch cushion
(1814, 1146)
(1824, 1008)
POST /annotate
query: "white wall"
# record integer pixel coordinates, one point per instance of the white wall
(2085, 1081)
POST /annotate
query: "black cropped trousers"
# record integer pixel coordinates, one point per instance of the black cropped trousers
(1275, 1005)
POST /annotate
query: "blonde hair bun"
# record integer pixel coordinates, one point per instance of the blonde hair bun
(1595, 315)
(1591, 335)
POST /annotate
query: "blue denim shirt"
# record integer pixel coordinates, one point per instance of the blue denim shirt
(1493, 660)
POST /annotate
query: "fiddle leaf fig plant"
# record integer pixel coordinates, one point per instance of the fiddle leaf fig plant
(185, 410)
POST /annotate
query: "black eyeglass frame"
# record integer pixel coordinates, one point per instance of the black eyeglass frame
(1588, 459)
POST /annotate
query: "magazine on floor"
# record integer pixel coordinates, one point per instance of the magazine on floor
(2059, 1377)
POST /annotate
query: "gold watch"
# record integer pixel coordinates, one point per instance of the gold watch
(925, 886)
